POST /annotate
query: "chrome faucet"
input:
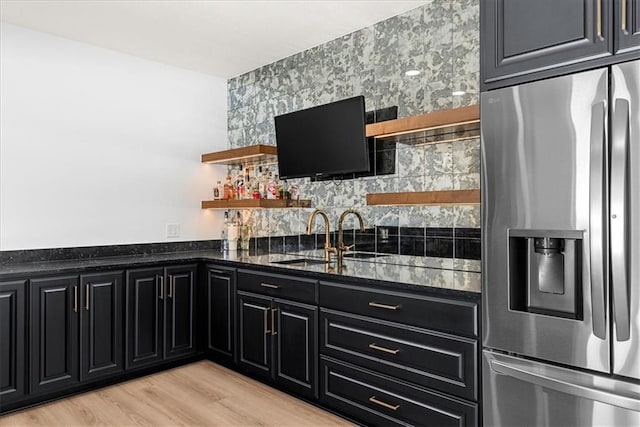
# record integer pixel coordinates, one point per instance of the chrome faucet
(341, 248)
(328, 249)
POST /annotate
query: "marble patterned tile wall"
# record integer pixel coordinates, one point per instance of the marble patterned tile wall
(441, 39)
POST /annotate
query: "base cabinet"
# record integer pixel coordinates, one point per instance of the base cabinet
(220, 295)
(12, 341)
(179, 309)
(384, 401)
(54, 321)
(278, 341)
(160, 319)
(101, 330)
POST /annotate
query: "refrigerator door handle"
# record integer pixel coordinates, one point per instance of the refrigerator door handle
(597, 191)
(619, 217)
(544, 377)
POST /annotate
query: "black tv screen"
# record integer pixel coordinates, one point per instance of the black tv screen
(324, 140)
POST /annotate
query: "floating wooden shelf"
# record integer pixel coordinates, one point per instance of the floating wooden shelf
(255, 203)
(252, 154)
(451, 197)
(439, 126)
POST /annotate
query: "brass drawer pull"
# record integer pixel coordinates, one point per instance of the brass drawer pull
(216, 271)
(86, 297)
(75, 299)
(623, 18)
(171, 285)
(267, 285)
(386, 350)
(385, 306)
(373, 399)
(599, 18)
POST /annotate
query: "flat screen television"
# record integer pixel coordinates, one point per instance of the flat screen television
(322, 141)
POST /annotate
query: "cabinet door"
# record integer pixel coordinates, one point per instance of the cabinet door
(12, 335)
(523, 36)
(254, 330)
(295, 335)
(54, 310)
(627, 25)
(220, 313)
(145, 294)
(101, 330)
(180, 337)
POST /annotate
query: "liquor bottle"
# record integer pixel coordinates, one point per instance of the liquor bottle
(218, 191)
(228, 189)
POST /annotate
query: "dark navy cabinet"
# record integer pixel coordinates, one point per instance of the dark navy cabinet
(277, 337)
(54, 320)
(101, 325)
(220, 295)
(627, 24)
(12, 341)
(160, 320)
(523, 40)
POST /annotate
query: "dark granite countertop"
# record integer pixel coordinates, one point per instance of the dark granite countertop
(434, 273)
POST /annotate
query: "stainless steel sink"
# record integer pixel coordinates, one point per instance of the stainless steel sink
(301, 262)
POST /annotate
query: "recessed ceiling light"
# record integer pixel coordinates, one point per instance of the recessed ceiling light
(458, 92)
(412, 73)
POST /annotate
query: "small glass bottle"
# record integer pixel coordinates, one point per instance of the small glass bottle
(218, 191)
(228, 189)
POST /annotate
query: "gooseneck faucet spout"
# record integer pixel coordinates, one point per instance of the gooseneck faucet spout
(340, 246)
(328, 249)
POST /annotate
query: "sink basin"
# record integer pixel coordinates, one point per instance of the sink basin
(300, 262)
(362, 255)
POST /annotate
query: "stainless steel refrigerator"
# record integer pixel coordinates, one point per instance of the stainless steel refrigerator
(561, 250)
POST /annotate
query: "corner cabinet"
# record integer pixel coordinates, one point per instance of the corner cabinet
(220, 296)
(522, 37)
(277, 337)
(160, 320)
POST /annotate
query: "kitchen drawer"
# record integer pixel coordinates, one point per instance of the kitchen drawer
(431, 359)
(278, 285)
(374, 399)
(442, 314)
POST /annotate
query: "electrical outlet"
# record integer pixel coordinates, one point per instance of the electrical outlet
(173, 230)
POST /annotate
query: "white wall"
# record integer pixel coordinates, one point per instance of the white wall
(99, 147)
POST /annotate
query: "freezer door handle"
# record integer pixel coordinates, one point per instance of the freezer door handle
(597, 193)
(582, 385)
(619, 217)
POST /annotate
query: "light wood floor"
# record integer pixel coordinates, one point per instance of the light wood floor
(202, 393)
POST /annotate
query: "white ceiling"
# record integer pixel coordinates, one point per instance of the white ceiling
(221, 38)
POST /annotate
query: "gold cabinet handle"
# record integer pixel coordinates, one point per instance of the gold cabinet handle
(623, 17)
(268, 285)
(75, 298)
(86, 296)
(161, 280)
(373, 399)
(273, 321)
(266, 322)
(599, 17)
(385, 306)
(386, 350)
(171, 285)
